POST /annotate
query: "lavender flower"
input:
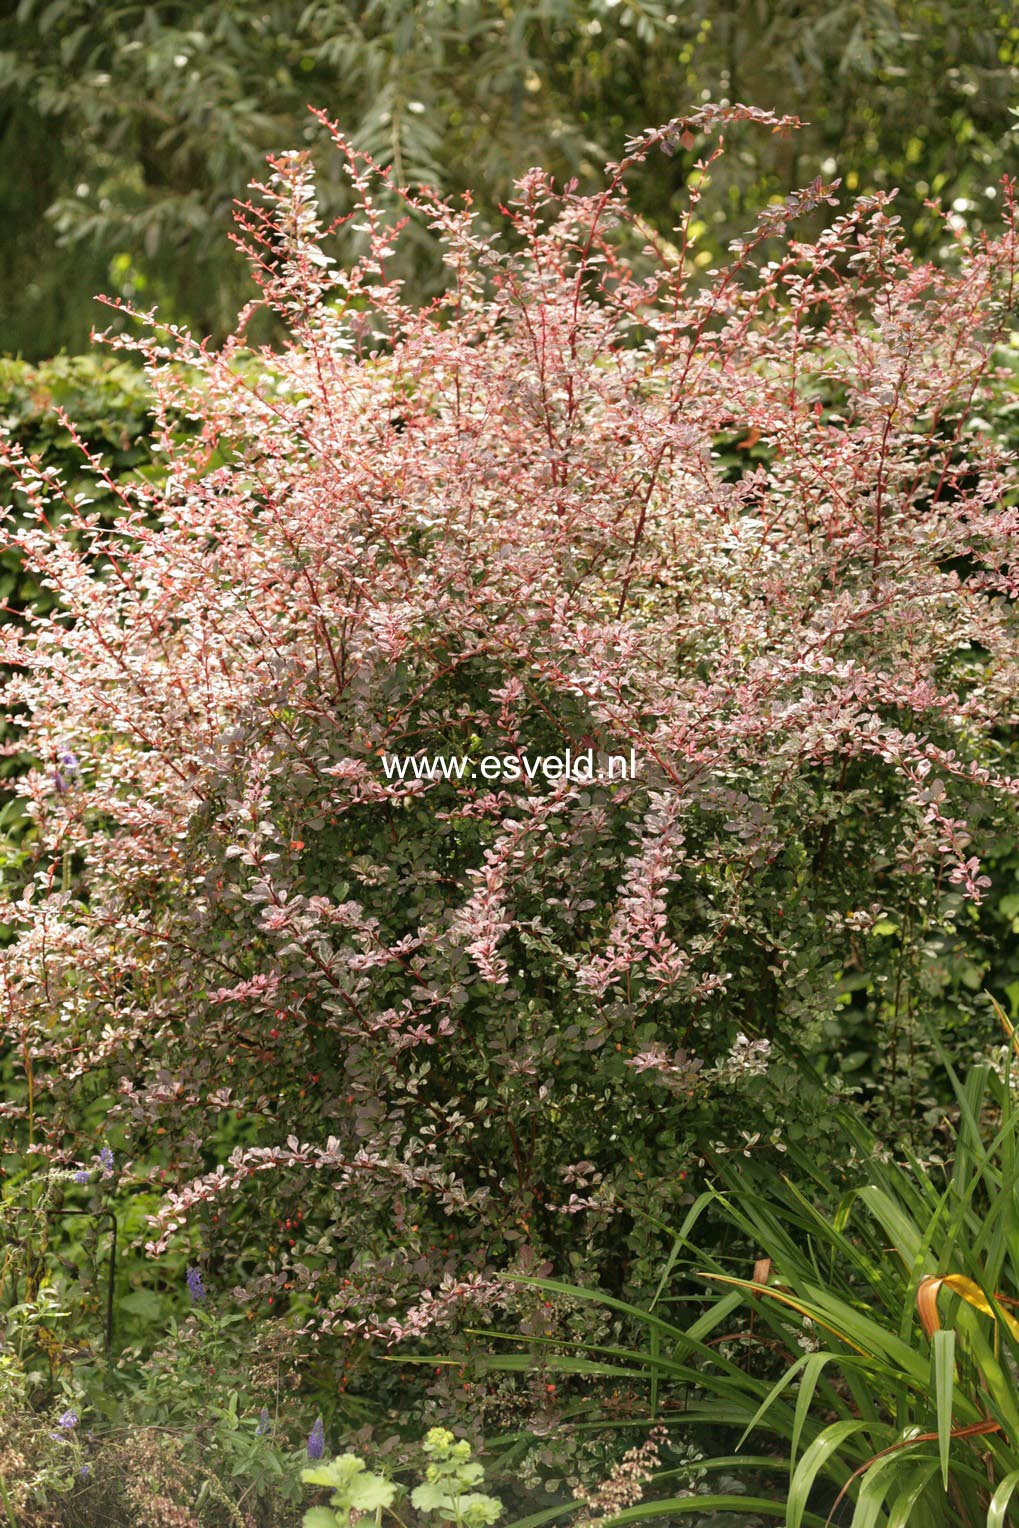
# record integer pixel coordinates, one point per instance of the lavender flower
(82, 1175)
(317, 1440)
(264, 1423)
(105, 1160)
(195, 1285)
(68, 770)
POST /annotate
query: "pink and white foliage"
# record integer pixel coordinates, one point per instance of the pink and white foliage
(500, 514)
(639, 930)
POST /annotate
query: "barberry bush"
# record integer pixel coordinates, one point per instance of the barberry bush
(372, 1038)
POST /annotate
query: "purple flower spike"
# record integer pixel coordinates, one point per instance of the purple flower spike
(69, 1420)
(195, 1285)
(105, 1160)
(82, 1175)
(317, 1440)
(264, 1423)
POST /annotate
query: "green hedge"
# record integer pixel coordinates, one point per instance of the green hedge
(110, 404)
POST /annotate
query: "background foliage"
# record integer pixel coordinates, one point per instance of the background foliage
(127, 130)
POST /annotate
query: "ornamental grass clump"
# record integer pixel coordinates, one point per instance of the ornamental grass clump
(371, 1038)
(860, 1345)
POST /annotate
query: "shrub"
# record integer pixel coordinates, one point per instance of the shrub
(374, 1037)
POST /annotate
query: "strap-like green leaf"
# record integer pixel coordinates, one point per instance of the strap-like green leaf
(999, 1501)
(943, 1370)
(741, 1507)
(773, 1395)
(811, 1374)
(900, 1511)
(813, 1462)
(904, 1233)
(876, 1488)
(701, 1203)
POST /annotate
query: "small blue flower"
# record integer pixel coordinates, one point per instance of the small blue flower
(317, 1440)
(82, 1176)
(264, 1423)
(105, 1160)
(85, 1473)
(69, 1420)
(195, 1285)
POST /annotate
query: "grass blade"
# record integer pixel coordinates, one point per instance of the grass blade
(943, 1374)
(813, 1462)
(999, 1501)
(900, 1512)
